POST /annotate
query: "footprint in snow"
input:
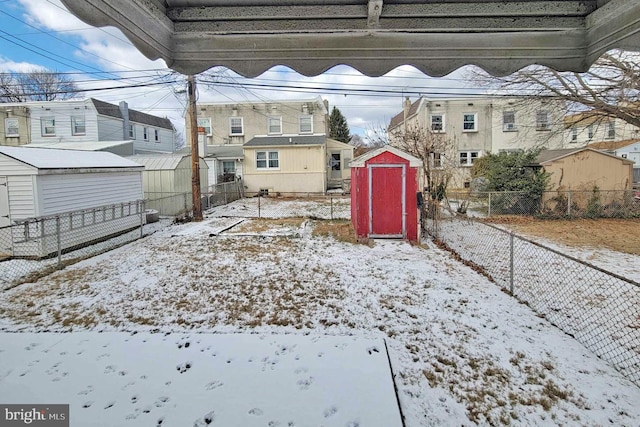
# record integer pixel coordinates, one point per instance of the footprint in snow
(214, 385)
(109, 369)
(304, 384)
(134, 398)
(87, 404)
(161, 401)
(160, 421)
(184, 367)
(109, 404)
(372, 350)
(86, 391)
(206, 420)
(330, 411)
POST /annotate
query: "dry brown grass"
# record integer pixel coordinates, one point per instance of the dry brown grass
(622, 235)
(340, 230)
(262, 225)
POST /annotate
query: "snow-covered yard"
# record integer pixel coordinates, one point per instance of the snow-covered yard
(463, 352)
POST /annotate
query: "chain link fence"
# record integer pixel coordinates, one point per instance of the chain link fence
(551, 204)
(35, 247)
(598, 308)
(176, 204)
(295, 205)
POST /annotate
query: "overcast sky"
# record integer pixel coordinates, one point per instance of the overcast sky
(42, 34)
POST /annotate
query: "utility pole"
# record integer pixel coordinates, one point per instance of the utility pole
(195, 159)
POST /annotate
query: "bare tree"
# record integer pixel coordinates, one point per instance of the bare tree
(437, 152)
(609, 89)
(36, 85)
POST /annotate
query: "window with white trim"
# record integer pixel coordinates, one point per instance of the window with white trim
(132, 131)
(11, 127)
(574, 134)
(205, 122)
(77, 125)
(436, 160)
(145, 133)
(509, 121)
(542, 120)
(236, 126)
(468, 158)
(228, 166)
(470, 122)
(48, 126)
(590, 132)
(305, 124)
(437, 122)
(156, 135)
(267, 160)
(611, 130)
(274, 125)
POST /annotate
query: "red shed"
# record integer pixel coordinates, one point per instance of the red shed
(384, 183)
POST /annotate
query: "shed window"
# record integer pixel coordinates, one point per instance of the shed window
(11, 127)
(305, 124)
(267, 160)
(470, 122)
(48, 126)
(77, 125)
(274, 125)
(236, 126)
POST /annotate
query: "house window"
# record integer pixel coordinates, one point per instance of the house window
(437, 159)
(132, 131)
(274, 125)
(236, 126)
(574, 134)
(11, 127)
(305, 124)
(509, 121)
(48, 126)
(156, 135)
(77, 125)
(206, 124)
(267, 160)
(469, 122)
(624, 155)
(467, 158)
(542, 120)
(437, 123)
(611, 130)
(228, 166)
(590, 132)
(145, 133)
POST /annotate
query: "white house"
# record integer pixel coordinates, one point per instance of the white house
(41, 182)
(477, 126)
(589, 127)
(86, 121)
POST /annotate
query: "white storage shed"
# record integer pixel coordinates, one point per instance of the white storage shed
(167, 181)
(36, 183)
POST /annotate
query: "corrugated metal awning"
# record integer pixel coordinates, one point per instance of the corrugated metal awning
(373, 36)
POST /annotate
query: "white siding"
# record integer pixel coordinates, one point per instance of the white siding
(62, 113)
(10, 166)
(165, 145)
(110, 129)
(69, 192)
(21, 197)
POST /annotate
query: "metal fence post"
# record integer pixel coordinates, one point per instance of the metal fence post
(224, 188)
(331, 198)
(259, 205)
(489, 213)
(511, 262)
(569, 203)
(141, 207)
(59, 241)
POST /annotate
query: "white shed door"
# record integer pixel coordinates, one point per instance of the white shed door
(4, 202)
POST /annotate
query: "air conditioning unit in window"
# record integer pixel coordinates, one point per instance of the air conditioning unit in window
(509, 126)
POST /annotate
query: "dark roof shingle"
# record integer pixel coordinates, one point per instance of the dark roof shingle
(111, 110)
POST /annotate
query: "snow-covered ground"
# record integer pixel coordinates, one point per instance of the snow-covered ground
(334, 207)
(463, 352)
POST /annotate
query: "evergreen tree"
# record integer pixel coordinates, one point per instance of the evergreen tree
(338, 127)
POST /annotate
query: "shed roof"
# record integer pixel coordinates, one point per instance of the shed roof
(50, 158)
(374, 36)
(266, 141)
(82, 146)
(612, 145)
(361, 160)
(224, 151)
(548, 156)
(158, 162)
